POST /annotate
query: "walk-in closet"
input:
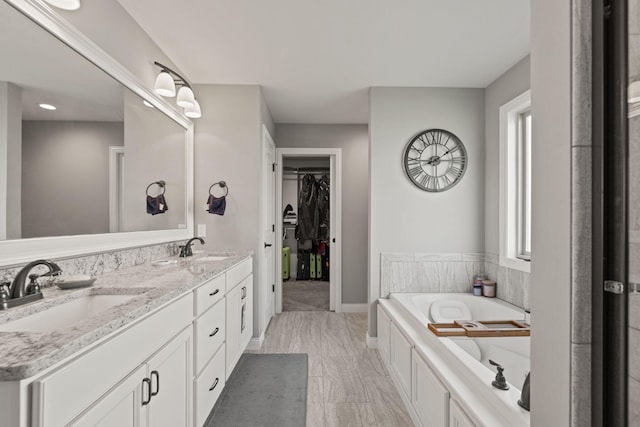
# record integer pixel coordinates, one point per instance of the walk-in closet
(306, 230)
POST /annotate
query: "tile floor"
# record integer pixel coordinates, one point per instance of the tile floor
(348, 383)
(305, 295)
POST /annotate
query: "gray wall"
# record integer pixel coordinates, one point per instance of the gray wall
(404, 218)
(353, 140)
(108, 25)
(551, 57)
(66, 189)
(10, 160)
(228, 142)
(512, 83)
(154, 151)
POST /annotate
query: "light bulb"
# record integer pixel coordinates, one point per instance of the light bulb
(633, 92)
(193, 112)
(165, 86)
(185, 97)
(65, 4)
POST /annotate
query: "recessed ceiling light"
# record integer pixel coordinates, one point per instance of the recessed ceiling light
(47, 106)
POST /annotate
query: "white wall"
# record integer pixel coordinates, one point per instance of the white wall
(66, 191)
(402, 217)
(512, 83)
(550, 267)
(352, 139)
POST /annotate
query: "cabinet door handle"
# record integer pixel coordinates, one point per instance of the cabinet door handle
(215, 331)
(214, 292)
(148, 382)
(244, 292)
(215, 383)
(157, 375)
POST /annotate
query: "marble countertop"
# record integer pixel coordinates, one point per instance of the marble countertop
(24, 354)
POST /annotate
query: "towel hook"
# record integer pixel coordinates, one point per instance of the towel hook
(220, 184)
(160, 184)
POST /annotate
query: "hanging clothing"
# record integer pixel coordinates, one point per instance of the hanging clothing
(308, 215)
(323, 207)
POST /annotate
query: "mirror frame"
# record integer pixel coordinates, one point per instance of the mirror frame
(14, 252)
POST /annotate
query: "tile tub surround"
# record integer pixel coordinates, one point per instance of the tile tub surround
(24, 354)
(104, 262)
(450, 272)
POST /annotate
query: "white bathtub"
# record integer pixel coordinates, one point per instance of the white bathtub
(510, 352)
(462, 363)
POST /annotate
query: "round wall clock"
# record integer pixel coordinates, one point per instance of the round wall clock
(435, 160)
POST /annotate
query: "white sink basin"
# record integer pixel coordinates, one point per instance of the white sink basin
(65, 315)
(210, 258)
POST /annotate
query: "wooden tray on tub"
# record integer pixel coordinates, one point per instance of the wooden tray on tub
(483, 328)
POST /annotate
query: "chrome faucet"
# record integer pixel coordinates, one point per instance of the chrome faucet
(19, 292)
(185, 250)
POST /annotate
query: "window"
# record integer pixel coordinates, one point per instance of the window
(515, 183)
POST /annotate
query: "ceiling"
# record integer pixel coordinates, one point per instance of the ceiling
(316, 60)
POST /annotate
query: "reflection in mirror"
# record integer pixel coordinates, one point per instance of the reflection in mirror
(83, 167)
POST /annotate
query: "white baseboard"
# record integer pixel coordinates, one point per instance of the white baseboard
(354, 308)
(372, 342)
(256, 343)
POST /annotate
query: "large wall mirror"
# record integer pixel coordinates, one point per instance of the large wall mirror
(85, 176)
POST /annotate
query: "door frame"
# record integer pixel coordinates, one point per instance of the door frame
(116, 178)
(265, 284)
(335, 212)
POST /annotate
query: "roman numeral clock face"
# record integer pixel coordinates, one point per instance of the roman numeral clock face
(435, 160)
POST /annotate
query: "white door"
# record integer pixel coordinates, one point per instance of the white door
(268, 278)
(122, 406)
(171, 376)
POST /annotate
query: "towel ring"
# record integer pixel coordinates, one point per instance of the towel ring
(160, 184)
(220, 184)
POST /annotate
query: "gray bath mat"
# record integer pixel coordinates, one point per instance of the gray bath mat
(264, 390)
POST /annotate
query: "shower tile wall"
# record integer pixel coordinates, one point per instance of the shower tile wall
(105, 262)
(450, 272)
(634, 221)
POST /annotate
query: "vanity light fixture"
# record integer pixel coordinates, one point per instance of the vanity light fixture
(65, 4)
(148, 104)
(194, 111)
(47, 106)
(633, 94)
(165, 85)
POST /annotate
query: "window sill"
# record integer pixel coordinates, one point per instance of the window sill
(515, 264)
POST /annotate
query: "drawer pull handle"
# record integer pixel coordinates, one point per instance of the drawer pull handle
(148, 382)
(215, 383)
(215, 331)
(157, 375)
(214, 292)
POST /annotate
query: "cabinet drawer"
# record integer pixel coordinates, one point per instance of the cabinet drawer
(209, 294)
(62, 394)
(239, 272)
(208, 387)
(210, 334)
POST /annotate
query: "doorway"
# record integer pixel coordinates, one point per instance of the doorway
(308, 238)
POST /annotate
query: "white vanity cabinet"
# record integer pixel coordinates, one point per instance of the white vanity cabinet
(239, 312)
(63, 394)
(158, 393)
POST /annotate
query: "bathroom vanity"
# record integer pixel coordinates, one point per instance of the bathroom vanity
(158, 355)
